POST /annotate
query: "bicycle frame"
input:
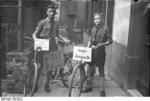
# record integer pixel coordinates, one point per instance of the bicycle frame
(80, 67)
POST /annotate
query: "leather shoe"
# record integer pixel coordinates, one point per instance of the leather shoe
(47, 88)
(87, 89)
(102, 93)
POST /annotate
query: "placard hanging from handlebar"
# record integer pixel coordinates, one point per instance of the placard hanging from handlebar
(43, 43)
(82, 53)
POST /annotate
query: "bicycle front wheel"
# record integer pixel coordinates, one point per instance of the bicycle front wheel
(76, 83)
(31, 80)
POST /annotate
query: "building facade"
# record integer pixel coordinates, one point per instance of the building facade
(127, 60)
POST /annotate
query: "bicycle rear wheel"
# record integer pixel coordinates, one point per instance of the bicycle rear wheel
(31, 80)
(77, 79)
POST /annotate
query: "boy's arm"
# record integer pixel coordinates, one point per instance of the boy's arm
(34, 35)
(89, 43)
(90, 37)
(37, 30)
(108, 38)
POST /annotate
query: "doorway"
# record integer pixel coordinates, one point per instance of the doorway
(140, 47)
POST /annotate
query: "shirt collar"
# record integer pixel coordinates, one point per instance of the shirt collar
(48, 20)
(99, 26)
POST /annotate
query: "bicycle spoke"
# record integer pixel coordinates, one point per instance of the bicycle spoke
(67, 71)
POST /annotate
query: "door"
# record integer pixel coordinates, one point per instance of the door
(139, 46)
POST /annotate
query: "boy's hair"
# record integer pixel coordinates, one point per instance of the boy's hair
(53, 6)
(99, 14)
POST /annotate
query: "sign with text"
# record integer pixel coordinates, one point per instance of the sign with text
(82, 53)
(43, 43)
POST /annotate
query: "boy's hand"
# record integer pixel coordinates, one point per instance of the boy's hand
(34, 37)
(94, 47)
(66, 40)
(100, 44)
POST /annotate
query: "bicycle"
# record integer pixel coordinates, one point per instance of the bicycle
(75, 89)
(34, 65)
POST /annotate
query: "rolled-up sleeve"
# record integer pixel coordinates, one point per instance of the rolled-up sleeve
(39, 28)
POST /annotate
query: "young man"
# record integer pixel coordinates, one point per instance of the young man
(48, 29)
(100, 37)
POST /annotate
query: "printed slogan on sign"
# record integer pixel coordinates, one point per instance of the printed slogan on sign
(82, 53)
(42, 43)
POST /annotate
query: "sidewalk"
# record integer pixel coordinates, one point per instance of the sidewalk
(111, 88)
(58, 90)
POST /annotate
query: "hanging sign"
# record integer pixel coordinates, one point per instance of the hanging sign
(43, 43)
(82, 53)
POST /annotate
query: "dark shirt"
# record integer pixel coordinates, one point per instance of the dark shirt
(44, 28)
(100, 34)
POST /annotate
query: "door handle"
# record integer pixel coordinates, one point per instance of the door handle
(132, 57)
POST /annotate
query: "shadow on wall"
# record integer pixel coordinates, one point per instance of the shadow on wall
(119, 65)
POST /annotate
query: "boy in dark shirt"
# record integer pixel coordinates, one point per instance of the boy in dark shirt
(100, 37)
(48, 29)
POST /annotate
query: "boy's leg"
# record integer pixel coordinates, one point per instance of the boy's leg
(102, 81)
(90, 71)
(48, 73)
(48, 77)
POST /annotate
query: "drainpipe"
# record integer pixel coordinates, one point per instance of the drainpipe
(106, 13)
(19, 25)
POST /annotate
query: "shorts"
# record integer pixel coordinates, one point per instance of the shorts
(98, 57)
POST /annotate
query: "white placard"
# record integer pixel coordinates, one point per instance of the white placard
(82, 53)
(43, 43)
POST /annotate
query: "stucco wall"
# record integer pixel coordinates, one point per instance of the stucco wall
(119, 65)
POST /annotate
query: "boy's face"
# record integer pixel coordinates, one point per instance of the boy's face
(97, 19)
(50, 12)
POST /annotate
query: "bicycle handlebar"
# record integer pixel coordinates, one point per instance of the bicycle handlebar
(28, 39)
